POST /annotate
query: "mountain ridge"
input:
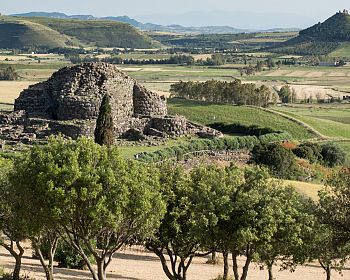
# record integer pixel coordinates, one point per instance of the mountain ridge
(176, 28)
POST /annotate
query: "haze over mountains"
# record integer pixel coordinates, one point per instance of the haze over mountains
(201, 27)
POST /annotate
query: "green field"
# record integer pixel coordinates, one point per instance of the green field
(342, 51)
(331, 121)
(346, 148)
(206, 113)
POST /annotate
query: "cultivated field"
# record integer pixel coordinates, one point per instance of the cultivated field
(207, 113)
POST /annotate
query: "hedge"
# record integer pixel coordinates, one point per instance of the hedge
(207, 145)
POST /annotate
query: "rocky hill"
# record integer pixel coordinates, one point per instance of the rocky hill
(41, 32)
(321, 38)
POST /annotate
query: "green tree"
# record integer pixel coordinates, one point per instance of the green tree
(280, 161)
(252, 202)
(334, 215)
(90, 195)
(332, 154)
(104, 131)
(10, 226)
(285, 94)
(8, 74)
(294, 223)
(196, 202)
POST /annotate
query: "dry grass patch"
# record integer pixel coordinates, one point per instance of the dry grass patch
(10, 90)
(308, 189)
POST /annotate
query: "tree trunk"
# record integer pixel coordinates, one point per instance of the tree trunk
(269, 267)
(17, 270)
(18, 257)
(328, 272)
(213, 256)
(246, 266)
(226, 266)
(235, 265)
(101, 272)
(327, 268)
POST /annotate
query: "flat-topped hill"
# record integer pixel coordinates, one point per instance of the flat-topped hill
(24, 32)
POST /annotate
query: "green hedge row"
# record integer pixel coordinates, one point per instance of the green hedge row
(219, 144)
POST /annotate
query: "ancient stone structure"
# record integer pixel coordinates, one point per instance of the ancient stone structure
(68, 103)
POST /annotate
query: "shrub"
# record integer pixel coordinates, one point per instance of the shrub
(332, 155)
(67, 257)
(220, 277)
(309, 151)
(220, 144)
(280, 161)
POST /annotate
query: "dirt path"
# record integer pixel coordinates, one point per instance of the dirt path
(140, 265)
(308, 127)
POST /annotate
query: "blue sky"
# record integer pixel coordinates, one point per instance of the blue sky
(187, 11)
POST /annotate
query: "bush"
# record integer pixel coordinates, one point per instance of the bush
(220, 277)
(309, 151)
(8, 276)
(332, 155)
(279, 160)
(219, 144)
(67, 257)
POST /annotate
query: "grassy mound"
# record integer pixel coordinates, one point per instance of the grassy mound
(17, 32)
(21, 33)
(98, 32)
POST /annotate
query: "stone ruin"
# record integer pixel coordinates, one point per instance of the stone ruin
(68, 103)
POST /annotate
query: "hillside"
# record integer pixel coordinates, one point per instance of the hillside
(202, 113)
(321, 38)
(22, 32)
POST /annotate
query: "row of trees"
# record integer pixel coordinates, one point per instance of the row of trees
(234, 92)
(8, 74)
(96, 202)
(214, 60)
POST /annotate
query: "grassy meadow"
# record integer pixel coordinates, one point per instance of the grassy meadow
(207, 113)
(330, 120)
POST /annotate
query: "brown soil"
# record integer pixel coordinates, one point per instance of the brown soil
(136, 264)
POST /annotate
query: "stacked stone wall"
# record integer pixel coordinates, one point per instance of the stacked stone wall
(147, 103)
(69, 103)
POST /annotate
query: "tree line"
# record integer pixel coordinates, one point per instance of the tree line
(8, 74)
(234, 92)
(178, 59)
(93, 200)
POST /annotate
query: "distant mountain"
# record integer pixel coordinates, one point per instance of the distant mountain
(59, 31)
(321, 38)
(239, 19)
(142, 26)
